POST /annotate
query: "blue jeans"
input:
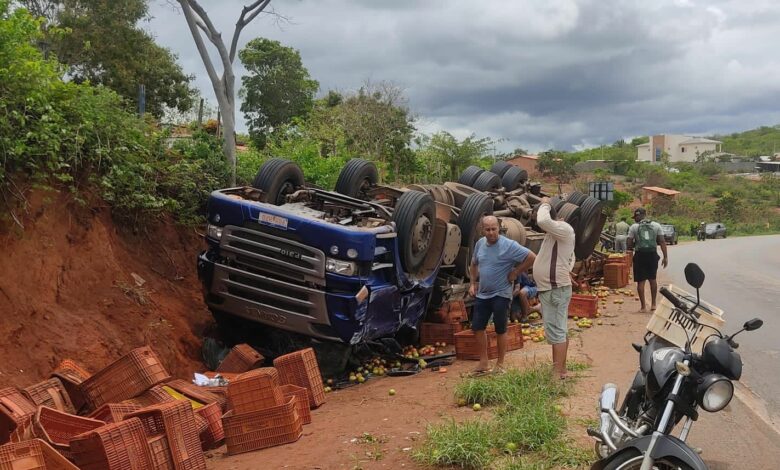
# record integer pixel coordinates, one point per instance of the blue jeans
(496, 306)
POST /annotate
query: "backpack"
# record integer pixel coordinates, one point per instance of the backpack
(645, 235)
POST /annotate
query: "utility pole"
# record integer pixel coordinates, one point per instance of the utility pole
(141, 100)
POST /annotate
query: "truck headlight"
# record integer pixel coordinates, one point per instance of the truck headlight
(337, 266)
(715, 392)
(214, 232)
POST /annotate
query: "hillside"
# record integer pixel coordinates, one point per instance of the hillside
(69, 288)
(753, 143)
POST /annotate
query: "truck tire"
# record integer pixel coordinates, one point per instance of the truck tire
(475, 206)
(556, 203)
(488, 181)
(571, 214)
(415, 221)
(357, 177)
(513, 177)
(500, 168)
(277, 178)
(470, 175)
(576, 198)
(591, 224)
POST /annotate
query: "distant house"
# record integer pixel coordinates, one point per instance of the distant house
(529, 163)
(651, 192)
(681, 148)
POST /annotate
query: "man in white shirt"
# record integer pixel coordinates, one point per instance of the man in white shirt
(552, 273)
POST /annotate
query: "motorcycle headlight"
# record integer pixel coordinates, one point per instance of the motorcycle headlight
(214, 232)
(715, 392)
(337, 266)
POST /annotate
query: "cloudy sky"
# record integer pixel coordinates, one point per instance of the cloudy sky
(537, 74)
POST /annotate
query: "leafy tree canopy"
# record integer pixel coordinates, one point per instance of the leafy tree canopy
(103, 44)
(277, 89)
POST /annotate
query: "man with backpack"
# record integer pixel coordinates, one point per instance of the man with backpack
(644, 237)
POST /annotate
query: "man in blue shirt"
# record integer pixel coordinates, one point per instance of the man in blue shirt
(495, 264)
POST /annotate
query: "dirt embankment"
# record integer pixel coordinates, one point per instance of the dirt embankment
(72, 285)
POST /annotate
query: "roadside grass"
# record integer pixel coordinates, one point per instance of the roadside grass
(525, 430)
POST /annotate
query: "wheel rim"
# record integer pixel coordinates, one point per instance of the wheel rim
(422, 235)
(661, 464)
(287, 188)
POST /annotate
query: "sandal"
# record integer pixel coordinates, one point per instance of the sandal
(479, 373)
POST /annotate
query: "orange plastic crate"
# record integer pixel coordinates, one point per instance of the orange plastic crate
(432, 333)
(261, 429)
(255, 390)
(302, 402)
(72, 375)
(178, 423)
(194, 392)
(57, 428)
(32, 455)
(15, 411)
(50, 393)
(115, 446)
(451, 312)
(615, 275)
(583, 305)
(300, 368)
(125, 378)
(214, 433)
(153, 396)
(114, 412)
(466, 342)
(241, 358)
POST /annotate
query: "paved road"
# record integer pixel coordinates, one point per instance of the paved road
(743, 279)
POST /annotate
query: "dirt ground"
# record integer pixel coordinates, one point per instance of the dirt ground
(74, 287)
(729, 439)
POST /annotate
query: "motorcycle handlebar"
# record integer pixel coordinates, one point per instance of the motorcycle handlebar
(672, 298)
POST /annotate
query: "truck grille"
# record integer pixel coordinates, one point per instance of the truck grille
(277, 280)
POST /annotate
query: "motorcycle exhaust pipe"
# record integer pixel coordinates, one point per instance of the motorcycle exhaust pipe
(607, 402)
(609, 397)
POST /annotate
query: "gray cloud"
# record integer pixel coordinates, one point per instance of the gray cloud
(561, 73)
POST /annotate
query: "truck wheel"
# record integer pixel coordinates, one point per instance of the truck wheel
(415, 219)
(572, 215)
(277, 178)
(470, 175)
(487, 181)
(357, 177)
(475, 206)
(576, 198)
(513, 177)
(500, 168)
(591, 224)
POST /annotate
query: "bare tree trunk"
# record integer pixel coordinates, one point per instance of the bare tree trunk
(224, 86)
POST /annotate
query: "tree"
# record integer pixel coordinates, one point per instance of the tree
(557, 165)
(100, 42)
(377, 124)
(277, 89)
(224, 85)
(454, 155)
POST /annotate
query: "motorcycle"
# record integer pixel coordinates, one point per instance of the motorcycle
(672, 383)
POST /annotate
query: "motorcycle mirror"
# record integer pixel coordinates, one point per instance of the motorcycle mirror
(694, 275)
(753, 324)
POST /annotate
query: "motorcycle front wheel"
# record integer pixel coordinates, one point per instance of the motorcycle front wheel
(632, 460)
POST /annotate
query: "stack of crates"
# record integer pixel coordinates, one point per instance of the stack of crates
(260, 415)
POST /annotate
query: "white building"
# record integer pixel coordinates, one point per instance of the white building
(681, 148)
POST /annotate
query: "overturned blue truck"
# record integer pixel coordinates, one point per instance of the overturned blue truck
(366, 260)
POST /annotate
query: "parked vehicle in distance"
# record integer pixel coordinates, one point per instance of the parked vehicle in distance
(715, 230)
(670, 233)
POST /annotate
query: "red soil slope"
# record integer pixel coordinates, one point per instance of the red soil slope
(67, 291)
